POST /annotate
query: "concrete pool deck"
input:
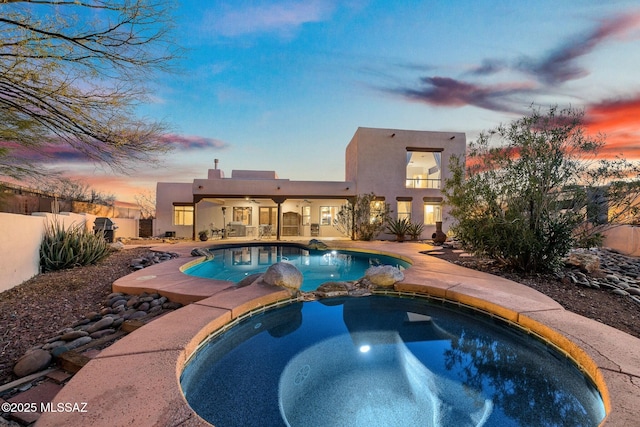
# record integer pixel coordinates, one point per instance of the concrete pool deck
(135, 381)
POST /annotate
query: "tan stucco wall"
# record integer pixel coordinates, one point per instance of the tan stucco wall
(624, 239)
(166, 194)
(376, 162)
(22, 237)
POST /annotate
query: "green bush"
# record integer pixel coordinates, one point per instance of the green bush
(71, 247)
(539, 190)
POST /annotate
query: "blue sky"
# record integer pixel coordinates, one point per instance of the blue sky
(283, 85)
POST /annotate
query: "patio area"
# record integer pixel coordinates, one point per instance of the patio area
(136, 380)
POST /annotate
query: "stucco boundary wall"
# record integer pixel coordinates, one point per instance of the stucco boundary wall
(21, 236)
(624, 239)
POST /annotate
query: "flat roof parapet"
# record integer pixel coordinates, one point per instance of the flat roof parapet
(251, 174)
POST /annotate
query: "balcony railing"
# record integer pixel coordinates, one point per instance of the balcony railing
(423, 183)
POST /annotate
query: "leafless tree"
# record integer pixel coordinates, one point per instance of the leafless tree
(147, 203)
(72, 74)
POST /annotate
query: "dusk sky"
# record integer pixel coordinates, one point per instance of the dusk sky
(283, 85)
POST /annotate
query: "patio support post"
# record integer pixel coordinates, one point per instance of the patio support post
(195, 219)
(279, 201)
(352, 202)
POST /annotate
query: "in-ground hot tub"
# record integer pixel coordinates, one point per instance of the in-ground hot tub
(384, 360)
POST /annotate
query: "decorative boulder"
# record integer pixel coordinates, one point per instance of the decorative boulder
(584, 261)
(202, 252)
(33, 361)
(283, 274)
(317, 244)
(384, 275)
(117, 246)
(332, 289)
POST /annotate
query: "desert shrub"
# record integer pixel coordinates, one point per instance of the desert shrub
(398, 227)
(415, 230)
(70, 247)
(538, 191)
(363, 218)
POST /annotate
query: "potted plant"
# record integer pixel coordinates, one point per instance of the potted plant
(415, 230)
(399, 227)
(204, 235)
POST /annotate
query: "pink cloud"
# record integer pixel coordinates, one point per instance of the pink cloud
(193, 142)
(282, 17)
(618, 120)
(560, 64)
(445, 91)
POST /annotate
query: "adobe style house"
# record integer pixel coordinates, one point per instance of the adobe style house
(404, 168)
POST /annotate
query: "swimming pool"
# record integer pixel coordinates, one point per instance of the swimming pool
(234, 263)
(384, 360)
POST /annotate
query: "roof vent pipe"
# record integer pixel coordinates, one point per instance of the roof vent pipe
(215, 163)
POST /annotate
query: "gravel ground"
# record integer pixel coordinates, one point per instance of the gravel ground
(33, 311)
(601, 305)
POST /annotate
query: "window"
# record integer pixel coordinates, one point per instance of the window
(432, 213)
(306, 215)
(377, 209)
(328, 214)
(423, 168)
(183, 215)
(404, 210)
(242, 215)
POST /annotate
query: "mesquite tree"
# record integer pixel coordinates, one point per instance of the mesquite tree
(538, 191)
(72, 74)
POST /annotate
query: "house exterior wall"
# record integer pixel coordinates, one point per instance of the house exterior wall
(168, 193)
(376, 160)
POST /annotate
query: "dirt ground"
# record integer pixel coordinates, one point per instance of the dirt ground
(35, 310)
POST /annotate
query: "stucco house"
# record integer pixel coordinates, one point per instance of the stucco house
(403, 168)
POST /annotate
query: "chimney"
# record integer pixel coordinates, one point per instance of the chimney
(215, 162)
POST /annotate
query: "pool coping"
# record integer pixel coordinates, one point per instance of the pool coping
(136, 380)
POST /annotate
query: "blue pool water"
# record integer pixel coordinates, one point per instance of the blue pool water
(234, 263)
(384, 361)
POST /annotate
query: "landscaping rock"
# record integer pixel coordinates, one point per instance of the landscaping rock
(78, 342)
(332, 289)
(102, 333)
(283, 274)
(70, 336)
(585, 261)
(137, 315)
(317, 244)
(198, 252)
(103, 323)
(384, 275)
(32, 361)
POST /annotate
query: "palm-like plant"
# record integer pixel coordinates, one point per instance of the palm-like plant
(415, 230)
(399, 227)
